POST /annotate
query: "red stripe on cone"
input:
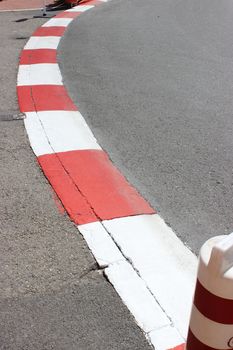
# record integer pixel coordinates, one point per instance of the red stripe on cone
(194, 344)
(49, 31)
(44, 98)
(74, 202)
(38, 56)
(213, 307)
(103, 186)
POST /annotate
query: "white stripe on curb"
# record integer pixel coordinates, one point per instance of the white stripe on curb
(101, 244)
(81, 8)
(162, 261)
(165, 338)
(131, 288)
(133, 291)
(39, 74)
(41, 42)
(58, 22)
(37, 137)
(65, 130)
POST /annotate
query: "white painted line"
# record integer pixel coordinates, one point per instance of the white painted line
(165, 264)
(101, 244)
(39, 74)
(80, 8)
(67, 131)
(134, 293)
(58, 22)
(36, 134)
(165, 338)
(42, 42)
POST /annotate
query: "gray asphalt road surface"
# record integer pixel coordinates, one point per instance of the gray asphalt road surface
(154, 80)
(52, 295)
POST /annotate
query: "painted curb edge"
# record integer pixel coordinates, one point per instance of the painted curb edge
(126, 236)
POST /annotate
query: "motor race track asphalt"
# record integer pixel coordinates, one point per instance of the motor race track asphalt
(153, 80)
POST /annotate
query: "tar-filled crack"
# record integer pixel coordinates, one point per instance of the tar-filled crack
(68, 174)
(57, 155)
(97, 216)
(138, 273)
(92, 268)
(95, 266)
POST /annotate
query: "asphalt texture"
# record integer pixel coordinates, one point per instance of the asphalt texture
(52, 294)
(154, 80)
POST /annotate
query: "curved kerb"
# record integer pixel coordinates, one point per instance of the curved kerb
(150, 268)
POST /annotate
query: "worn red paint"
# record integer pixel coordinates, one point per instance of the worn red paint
(92, 174)
(44, 98)
(38, 56)
(72, 199)
(49, 31)
(69, 14)
(58, 203)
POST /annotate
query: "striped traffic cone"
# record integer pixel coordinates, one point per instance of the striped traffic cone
(211, 322)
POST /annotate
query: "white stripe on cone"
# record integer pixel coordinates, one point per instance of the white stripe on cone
(213, 334)
(222, 283)
(215, 274)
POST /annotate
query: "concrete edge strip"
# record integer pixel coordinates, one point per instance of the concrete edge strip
(128, 239)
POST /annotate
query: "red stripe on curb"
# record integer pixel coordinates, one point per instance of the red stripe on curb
(49, 31)
(38, 56)
(44, 98)
(91, 2)
(179, 347)
(194, 344)
(68, 15)
(107, 191)
(25, 100)
(74, 202)
(216, 309)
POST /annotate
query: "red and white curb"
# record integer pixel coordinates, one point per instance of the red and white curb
(150, 268)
